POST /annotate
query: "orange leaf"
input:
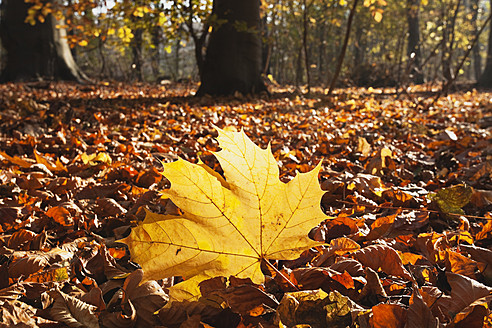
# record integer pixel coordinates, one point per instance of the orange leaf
(384, 258)
(388, 316)
(61, 215)
(381, 227)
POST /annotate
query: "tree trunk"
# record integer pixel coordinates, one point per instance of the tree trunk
(35, 52)
(305, 45)
(486, 77)
(413, 49)
(341, 56)
(136, 45)
(233, 61)
(477, 60)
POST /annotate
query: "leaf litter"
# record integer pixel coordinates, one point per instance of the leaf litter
(406, 202)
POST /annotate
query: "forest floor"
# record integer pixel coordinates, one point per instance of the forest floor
(409, 189)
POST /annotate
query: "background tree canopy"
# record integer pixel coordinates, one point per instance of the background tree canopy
(286, 41)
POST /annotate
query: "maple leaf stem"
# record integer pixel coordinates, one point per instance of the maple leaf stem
(287, 280)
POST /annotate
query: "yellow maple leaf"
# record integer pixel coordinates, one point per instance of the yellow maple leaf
(228, 225)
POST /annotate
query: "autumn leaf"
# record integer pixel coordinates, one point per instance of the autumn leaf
(388, 315)
(451, 200)
(316, 308)
(72, 311)
(229, 225)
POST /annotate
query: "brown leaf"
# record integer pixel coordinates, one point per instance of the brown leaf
(108, 207)
(382, 257)
(21, 240)
(243, 299)
(419, 314)
(464, 291)
(373, 290)
(381, 160)
(12, 292)
(316, 308)
(102, 191)
(94, 297)
(27, 265)
(478, 254)
(148, 177)
(481, 198)
(324, 278)
(102, 266)
(179, 312)
(11, 215)
(53, 274)
(368, 185)
(61, 215)
(461, 264)
(334, 228)
(473, 315)
(120, 317)
(148, 297)
(388, 316)
(381, 227)
(29, 182)
(339, 246)
(14, 313)
(72, 311)
(353, 267)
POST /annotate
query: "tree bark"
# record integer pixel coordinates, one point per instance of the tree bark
(477, 60)
(305, 45)
(35, 52)
(233, 61)
(486, 77)
(341, 56)
(413, 49)
(136, 45)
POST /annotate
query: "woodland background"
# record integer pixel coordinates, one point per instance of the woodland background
(391, 43)
(388, 99)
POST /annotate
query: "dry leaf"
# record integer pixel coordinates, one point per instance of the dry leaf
(72, 311)
(388, 316)
(384, 258)
(228, 226)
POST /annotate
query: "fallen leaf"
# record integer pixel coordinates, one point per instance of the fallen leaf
(173, 316)
(451, 200)
(382, 257)
(61, 215)
(388, 316)
(14, 313)
(316, 308)
(380, 161)
(464, 291)
(72, 311)
(147, 298)
(21, 240)
(419, 314)
(228, 226)
(244, 299)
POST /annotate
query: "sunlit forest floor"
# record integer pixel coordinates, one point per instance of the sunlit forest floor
(79, 163)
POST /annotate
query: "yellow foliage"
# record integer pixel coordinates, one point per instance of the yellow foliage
(228, 225)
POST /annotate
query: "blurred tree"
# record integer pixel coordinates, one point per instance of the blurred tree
(486, 77)
(35, 49)
(413, 49)
(474, 7)
(233, 60)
